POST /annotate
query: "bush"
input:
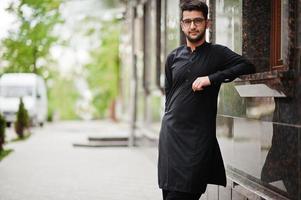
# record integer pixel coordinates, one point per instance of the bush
(2, 132)
(22, 121)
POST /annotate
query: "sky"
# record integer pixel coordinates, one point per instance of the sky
(7, 20)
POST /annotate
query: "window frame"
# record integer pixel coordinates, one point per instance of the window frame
(276, 62)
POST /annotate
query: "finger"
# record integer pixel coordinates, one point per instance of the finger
(199, 88)
(199, 85)
(194, 88)
(194, 85)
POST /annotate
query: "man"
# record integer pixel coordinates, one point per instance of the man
(189, 154)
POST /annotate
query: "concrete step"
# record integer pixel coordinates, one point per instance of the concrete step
(95, 138)
(103, 143)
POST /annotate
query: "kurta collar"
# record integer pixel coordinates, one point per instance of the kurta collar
(198, 47)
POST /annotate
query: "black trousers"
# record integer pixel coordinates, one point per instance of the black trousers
(174, 195)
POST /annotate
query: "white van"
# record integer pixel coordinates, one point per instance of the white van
(31, 88)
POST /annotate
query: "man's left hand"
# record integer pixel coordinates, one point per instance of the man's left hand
(200, 83)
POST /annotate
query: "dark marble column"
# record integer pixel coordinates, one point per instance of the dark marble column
(298, 91)
(292, 55)
(298, 54)
(256, 24)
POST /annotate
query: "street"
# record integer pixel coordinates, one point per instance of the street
(48, 167)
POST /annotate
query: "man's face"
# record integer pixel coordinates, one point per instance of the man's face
(194, 25)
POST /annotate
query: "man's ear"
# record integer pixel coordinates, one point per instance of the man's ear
(182, 27)
(208, 24)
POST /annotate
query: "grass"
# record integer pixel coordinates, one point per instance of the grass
(4, 153)
(26, 136)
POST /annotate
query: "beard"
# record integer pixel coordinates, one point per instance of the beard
(197, 38)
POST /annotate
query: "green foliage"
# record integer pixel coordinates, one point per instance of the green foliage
(155, 104)
(62, 98)
(2, 132)
(25, 137)
(24, 48)
(22, 121)
(50, 114)
(112, 3)
(4, 153)
(103, 70)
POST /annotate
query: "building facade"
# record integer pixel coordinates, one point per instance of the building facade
(259, 115)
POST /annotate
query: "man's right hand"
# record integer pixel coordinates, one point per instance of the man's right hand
(200, 83)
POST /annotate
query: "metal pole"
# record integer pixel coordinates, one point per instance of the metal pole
(133, 81)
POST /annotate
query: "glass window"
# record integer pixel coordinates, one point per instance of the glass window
(284, 27)
(150, 45)
(172, 25)
(279, 34)
(229, 24)
(16, 91)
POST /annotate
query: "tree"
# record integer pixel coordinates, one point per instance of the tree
(27, 48)
(112, 3)
(22, 122)
(103, 70)
(62, 96)
(2, 132)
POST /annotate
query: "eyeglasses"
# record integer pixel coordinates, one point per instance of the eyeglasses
(196, 21)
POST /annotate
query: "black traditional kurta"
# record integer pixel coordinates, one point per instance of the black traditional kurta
(189, 154)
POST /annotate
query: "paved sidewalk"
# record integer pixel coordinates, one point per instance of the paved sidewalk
(48, 167)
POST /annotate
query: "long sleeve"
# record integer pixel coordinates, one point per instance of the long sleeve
(231, 66)
(168, 79)
(168, 74)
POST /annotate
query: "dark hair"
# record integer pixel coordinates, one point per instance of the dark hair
(191, 5)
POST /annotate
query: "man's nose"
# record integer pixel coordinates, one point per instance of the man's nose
(192, 25)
